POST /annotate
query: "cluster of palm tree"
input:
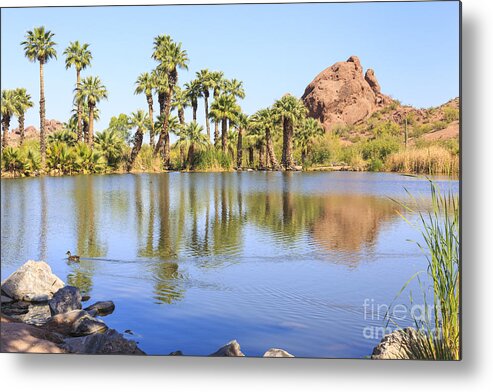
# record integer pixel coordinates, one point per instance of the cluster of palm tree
(234, 131)
(14, 103)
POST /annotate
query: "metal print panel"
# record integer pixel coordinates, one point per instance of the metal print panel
(258, 180)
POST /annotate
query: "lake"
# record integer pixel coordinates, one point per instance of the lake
(299, 261)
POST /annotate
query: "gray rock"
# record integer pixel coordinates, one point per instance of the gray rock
(101, 308)
(33, 281)
(85, 298)
(232, 349)
(5, 300)
(398, 344)
(66, 299)
(176, 353)
(75, 323)
(277, 353)
(109, 342)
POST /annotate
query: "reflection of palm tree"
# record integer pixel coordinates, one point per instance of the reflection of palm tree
(43, 223)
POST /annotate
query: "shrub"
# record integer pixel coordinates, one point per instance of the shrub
(450, 114)
(379, 148)
(13, 161)
(386, 128)
(428, 160)
(63, 136)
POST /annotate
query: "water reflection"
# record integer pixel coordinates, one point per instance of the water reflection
(171, 219)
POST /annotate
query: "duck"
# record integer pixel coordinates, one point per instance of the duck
(71, 257)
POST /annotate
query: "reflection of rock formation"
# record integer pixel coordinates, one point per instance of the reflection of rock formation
(350, 222)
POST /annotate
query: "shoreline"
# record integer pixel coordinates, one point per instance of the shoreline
(328, 169)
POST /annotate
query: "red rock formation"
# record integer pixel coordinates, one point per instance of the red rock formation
(342, 95)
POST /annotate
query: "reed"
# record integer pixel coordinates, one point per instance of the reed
(440, 228)
(429, 160)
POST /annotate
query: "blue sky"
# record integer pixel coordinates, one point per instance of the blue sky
(273, 49)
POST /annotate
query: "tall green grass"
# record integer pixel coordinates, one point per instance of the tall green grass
(440, 228)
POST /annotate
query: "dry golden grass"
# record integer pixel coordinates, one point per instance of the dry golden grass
(429, 160)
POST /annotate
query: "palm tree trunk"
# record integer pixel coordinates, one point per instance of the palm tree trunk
(182, 155)
(79, 108)
(21, 128)
(6, 125)
(42, 110)
(194, 111)
(250, 156)
(181, 116)
(164, 136)
(151, 118)
(261, 155)
(139, 135)
(287, 144)
(85, 129)
(216, 124)
(271, 157)
(207, 123)
(191, 152)
(224, 136)
(90, 136)
(239, 150)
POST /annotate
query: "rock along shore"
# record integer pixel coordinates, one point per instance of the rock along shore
(40, 314)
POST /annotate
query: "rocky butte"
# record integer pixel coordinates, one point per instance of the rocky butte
(342, 95)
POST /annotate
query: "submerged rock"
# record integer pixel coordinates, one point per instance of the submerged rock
(398, 344)
(177, 353)
(101, 308)
(232, 349)
(109, 342)
(33, 282)
(66, 299)
(277, 353)
(75, 323)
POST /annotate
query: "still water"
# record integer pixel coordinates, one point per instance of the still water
(299, 261)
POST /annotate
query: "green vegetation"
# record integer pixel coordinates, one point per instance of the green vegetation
(281, 136)
(440, 229)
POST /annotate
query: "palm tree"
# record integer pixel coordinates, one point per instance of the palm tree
(216, 81)
(92, 91)
(224, 108)
(146, 83)
(141, 121)
(80, 57)
(235, 88)
(72, 123)
(308, 130)
(111, 145)
(171, 57)
(204, 78)
(39, 46)
(255, 140)
(191, 137)
(265, 119)
(289, 111)
(9, 109)
(23, 103)
(193, 92)
(180, 103)
(242, 122)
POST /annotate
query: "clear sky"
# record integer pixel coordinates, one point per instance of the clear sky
(273, 49)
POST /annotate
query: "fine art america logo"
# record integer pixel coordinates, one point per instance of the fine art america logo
(383, 319)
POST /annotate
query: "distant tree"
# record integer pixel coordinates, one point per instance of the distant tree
(146, 83)
(23, 103)
(9, 109)
(39, 46)
(78, 56)
(141, 121)
(289, 112)
(92, 91)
